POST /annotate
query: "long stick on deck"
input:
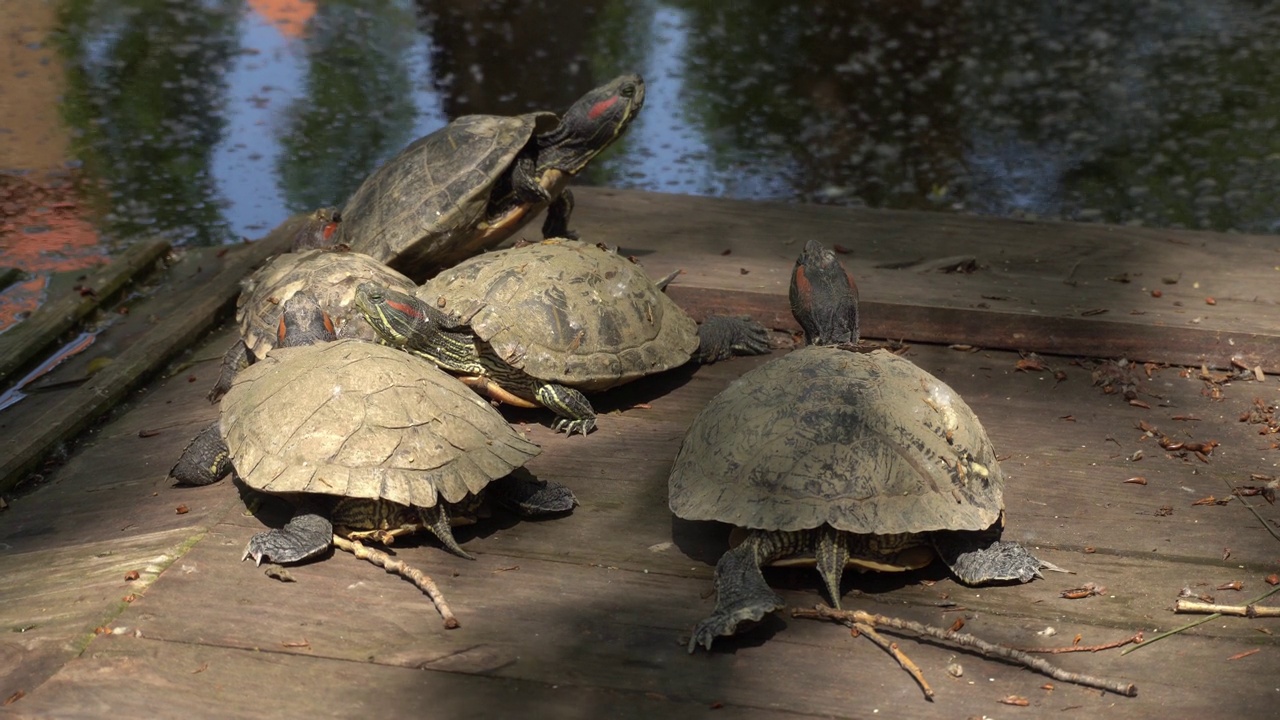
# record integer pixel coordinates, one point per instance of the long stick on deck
(851, 617)
(404, 570)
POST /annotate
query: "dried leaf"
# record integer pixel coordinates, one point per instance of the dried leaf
(182, 509)
(1059, 375)
(1164, 511)
(1210, 301)
(1068, 418)
(296, 643)
(1233, 585)
(1029, 364)
(1245, 654)
(1156, 294)
(148, 433)
(1077, 639)
(15, 697)
(1140, 403)
(131, 576)
(1210, 500)
(202, 668)
(129, 598)
(1084, 591)
(1273, 579)
(1226, 552)
(955, 626)
(1089, 550)
(1015, 700)
(1139, 480)
(1048, 687)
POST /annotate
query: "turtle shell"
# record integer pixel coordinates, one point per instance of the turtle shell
(422, 207)
(568, 312)
(864, 442)
(360, 420)
(329, 276)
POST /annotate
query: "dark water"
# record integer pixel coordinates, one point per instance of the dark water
(210, 120)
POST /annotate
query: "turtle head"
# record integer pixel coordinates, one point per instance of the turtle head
(302, 322)
(399, 319)
(824, 297)
(591, 124)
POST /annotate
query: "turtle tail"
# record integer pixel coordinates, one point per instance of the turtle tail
(436, 520)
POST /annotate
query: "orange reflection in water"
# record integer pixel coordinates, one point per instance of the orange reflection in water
(289, 16)
(43, 230)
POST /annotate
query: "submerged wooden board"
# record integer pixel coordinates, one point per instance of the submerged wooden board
(585, 615)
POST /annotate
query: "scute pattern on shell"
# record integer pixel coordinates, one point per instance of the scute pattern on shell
(360, 420)
(568, 312)
(432, 194)
(330, 277)
(855, 440)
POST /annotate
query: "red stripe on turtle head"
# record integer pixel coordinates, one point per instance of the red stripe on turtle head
(329, 229)
(404, 307)
(281, 331)
(328, 324)
(601, 107)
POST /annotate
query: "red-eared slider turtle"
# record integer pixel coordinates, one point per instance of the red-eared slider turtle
(541, 323)
(475, 182)
(840, 458)
(329, 276)
(367, 441)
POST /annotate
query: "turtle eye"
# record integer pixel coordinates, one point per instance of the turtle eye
(627, 91)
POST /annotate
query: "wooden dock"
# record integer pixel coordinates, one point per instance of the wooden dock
(587, 616)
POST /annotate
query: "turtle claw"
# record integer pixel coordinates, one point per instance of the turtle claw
(570, 425)
(726, 621)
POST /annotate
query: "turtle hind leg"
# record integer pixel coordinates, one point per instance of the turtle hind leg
(742, 595)
(235, 360)
(575, 411)
(306, 535)
(977, 558)
(721, 337)
(529, 497)
(436, 521)
(205, 460)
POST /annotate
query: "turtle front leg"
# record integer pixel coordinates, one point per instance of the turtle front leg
(530, 497)
(235, 360)
(575, 411)
(742, 595)
(978, 558)
(556, 224)
(205, 460)
(721, 337)
(307, 534)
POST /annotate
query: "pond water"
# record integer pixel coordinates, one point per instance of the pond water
(211, 120)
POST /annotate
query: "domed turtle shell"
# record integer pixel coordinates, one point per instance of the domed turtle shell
(427, 203)
(361, 420)
(329, 276)
(865, 442)
(567, 312)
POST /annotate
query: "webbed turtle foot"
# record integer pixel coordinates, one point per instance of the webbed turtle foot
(1001, 561)
(572, 425)
(721, 337)
(530, 497)
(725, 621)
(306, 535)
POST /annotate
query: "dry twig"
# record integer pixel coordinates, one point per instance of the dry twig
(966, 640)
(1250, 610)
(1084, 648)
(893, 649)
(399, 567)
(1201, 621)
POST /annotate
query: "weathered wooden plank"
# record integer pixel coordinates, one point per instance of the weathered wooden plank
(1037, 287)
(138, 677)
(25, 341)
(186, 321)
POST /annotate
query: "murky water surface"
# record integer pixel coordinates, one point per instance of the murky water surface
(211, 120)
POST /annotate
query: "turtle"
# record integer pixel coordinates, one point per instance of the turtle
(832, 457)
(473, 183)
(329, 275)
(367, 441)
(543, 323)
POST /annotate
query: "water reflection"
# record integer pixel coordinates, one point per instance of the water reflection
(217, 119)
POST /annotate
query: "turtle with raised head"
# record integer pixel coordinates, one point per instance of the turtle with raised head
(473, 183)
(544, 323)
(365, 440)
(329, 276)
(835, 458)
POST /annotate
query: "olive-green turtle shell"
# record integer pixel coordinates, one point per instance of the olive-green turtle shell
(568, 312)
(864, 442)
(422, 207)
(328, 276)
(361, 420)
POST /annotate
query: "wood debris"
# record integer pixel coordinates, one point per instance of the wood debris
(1084, 591)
